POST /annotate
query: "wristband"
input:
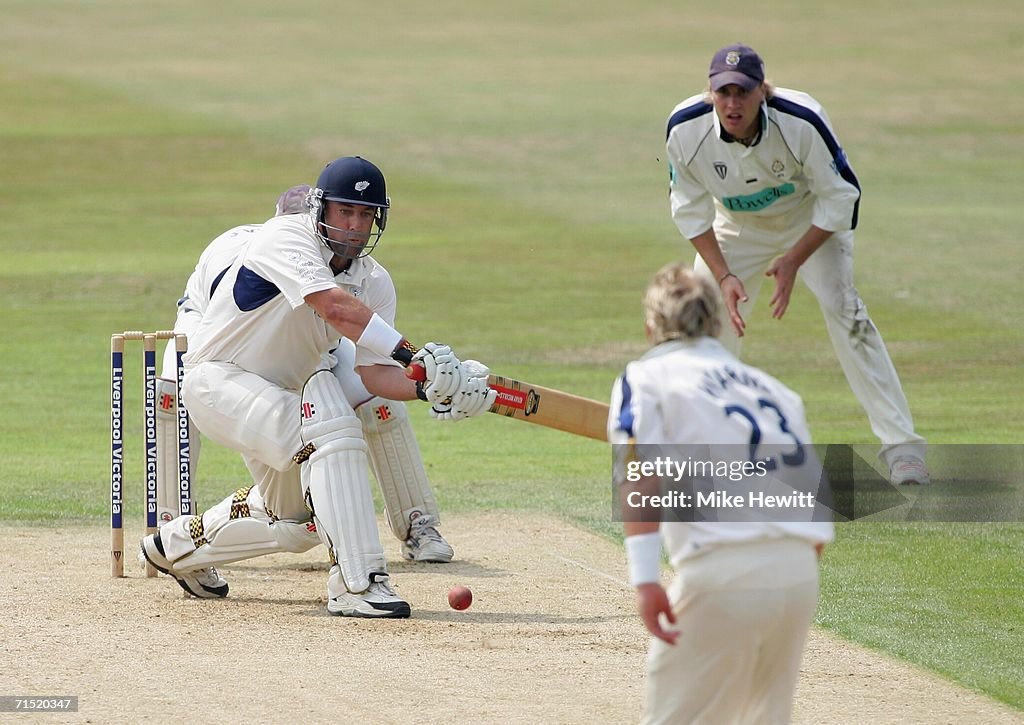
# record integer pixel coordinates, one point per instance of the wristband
(643, 554)
(404, 354)
(725, 277)
(379, 337)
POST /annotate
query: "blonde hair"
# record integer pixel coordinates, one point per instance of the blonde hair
(679, 303)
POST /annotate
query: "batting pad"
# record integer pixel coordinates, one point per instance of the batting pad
(168, 504)
(336, 483)
(397, 464)
(237, 528)
(247, 538)
(344, 369)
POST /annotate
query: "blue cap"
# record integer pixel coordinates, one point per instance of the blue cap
(739, 64)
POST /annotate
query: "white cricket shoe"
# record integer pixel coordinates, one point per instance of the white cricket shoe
(203, 583)
(909, 471)
(425, 543)
(379, 600)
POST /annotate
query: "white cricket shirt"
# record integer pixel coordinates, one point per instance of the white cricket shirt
(682, 393)
(213, 263)
(258, 319)
(796, 157)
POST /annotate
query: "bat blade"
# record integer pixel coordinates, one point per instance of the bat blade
(549, 407)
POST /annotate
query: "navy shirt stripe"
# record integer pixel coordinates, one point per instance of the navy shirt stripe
(842, 165)
(626, 419)
(252, 291)
(216, 281)
(687, 114)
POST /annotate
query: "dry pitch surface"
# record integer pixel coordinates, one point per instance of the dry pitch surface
(551, 637)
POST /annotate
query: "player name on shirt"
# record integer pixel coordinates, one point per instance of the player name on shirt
(717, 380)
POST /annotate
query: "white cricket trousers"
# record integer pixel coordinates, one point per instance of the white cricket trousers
(750, 243)
(743, 611)
(244, 412)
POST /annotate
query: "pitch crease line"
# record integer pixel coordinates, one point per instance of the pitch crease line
(592, 570)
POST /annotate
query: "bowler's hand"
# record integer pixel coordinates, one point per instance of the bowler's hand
(652, 602)
(732, 294)
(784, 272)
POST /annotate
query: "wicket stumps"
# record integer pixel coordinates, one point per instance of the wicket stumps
(149, 403)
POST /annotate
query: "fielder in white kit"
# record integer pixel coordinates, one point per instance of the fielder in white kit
(254, 383)
(761, 187)
(410, 504)
(728, 635)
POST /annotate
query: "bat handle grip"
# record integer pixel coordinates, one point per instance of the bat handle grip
(416, 372)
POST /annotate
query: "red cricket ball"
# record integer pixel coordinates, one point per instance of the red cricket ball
(460, 597)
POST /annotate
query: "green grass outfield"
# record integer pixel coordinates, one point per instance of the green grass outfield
(522, 142)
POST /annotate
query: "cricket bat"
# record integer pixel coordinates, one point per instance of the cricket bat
(543, 406)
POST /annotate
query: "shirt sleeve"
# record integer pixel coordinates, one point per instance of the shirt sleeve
(291, 262)
(620, 428)
(693, 208)
(830, 177)
(835, 199)
(633, 414)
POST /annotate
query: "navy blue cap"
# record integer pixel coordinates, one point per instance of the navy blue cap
(739, 64)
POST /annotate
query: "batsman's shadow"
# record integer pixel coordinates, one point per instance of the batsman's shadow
(457, 568)
(303, 606)
(298, 566)
(452, 617)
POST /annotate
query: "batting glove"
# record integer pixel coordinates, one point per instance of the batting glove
(443, 371)
(472, 398)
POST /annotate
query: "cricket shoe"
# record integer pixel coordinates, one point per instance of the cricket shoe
(425, 543)
(909, 471)
(379, 600)
(203, 583)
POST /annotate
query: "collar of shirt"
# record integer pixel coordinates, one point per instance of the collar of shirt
(762, 116)
(354, 270)
(701, 346)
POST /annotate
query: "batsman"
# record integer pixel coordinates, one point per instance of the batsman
(409, 501)
(256, 381)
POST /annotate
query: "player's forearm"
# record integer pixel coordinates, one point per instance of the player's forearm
(341, 310)
(638, 528)
(808, 244)
(387, 381)
(643, 541)
(638, 517)
(707, 247)
(354, 320)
